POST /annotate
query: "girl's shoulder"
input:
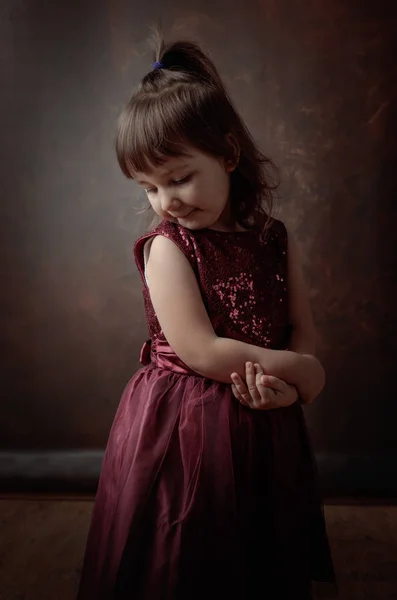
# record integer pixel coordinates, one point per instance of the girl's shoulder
(188, 240)
(179, 235)
(174, 231)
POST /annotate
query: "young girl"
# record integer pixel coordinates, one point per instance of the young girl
(208, 490)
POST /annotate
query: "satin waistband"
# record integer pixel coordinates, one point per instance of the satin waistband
(162, 356)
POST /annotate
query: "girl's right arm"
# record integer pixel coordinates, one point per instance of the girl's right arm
(185, 323)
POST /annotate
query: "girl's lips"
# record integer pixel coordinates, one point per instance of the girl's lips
(186, 216)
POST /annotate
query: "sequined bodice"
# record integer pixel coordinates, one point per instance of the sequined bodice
(242, 277)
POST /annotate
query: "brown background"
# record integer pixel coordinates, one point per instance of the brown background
(316, 82)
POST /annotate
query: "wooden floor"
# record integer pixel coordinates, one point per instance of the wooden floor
(42, 544)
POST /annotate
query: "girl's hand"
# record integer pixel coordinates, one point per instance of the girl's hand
(262, 392)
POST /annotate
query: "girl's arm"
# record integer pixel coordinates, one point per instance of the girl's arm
(303, 338)
(184, 320)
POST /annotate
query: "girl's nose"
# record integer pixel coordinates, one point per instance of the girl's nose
(169, 202)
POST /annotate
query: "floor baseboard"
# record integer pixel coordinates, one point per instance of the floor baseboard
(77, 471)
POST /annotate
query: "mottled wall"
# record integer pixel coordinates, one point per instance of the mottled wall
(316, 82)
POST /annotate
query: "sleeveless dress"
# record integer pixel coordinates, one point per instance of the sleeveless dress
(201, 498)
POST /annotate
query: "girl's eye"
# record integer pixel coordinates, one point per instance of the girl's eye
(173, 182)
(182, 181)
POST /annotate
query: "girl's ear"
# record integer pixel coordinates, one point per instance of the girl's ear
(234, 153)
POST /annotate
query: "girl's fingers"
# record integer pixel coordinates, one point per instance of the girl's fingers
(235, 392)
(258, 375)
(240, 390)
(250, 377)
(237, 381)
(273, 382)
(239, 397)
(267, 394)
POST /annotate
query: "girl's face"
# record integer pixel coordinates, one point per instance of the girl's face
(192, 190)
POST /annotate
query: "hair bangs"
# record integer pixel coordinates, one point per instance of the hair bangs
(153, 128)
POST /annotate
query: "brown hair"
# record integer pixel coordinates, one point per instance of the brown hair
(184, 102)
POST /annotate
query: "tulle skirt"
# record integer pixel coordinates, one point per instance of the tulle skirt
(202, 498)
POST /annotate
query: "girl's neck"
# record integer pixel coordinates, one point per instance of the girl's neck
(227, 229)
(226, 223)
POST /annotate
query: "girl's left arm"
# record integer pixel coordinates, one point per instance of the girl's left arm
(303, 336)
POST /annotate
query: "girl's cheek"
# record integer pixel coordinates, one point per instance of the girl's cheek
(192, 196)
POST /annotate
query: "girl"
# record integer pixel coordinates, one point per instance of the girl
(203, 494)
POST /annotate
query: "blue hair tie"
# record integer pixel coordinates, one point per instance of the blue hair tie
(158, 65)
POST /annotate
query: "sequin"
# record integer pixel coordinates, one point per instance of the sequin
(241, 280)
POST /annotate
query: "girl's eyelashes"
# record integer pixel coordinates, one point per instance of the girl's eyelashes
(176, 182)
(182, 180)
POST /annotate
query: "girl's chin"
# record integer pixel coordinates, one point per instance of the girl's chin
(196, 219)
(192, 220)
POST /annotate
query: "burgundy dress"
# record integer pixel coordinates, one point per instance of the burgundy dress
(200, 498)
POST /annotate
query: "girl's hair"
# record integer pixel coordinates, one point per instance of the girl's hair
(183, 102)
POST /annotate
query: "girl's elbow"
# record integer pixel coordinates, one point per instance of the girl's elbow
(199, 358)
(202, 364)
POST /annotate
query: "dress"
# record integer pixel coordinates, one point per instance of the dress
(199, 497)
